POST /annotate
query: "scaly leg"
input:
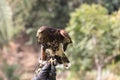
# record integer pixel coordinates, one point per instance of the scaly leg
(42, 56)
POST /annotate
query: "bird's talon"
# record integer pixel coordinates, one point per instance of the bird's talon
(52, 61)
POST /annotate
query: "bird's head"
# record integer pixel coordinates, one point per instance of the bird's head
(66, 36)
(40, 30)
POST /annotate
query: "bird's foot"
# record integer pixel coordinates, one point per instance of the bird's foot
(52, 61)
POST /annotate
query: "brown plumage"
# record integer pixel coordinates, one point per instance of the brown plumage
(53, 43)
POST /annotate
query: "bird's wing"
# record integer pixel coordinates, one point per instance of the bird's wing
(67, 40)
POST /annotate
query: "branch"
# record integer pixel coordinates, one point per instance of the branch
(109, 59)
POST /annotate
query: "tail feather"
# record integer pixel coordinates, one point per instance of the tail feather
(62, 59)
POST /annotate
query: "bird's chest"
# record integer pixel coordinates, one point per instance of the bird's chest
(52, 42)
(52, 45)
(55, 49)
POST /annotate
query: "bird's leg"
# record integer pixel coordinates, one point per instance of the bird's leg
(43, 56)
(52, 56)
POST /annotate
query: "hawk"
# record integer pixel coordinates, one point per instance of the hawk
(53, 43)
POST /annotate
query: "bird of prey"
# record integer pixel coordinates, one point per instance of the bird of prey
(53, 43)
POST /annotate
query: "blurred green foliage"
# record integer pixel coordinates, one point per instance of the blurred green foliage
(10, 72)
(111, 5)
(95, 35)
(6, 25)
(94, 28)
(29, 15)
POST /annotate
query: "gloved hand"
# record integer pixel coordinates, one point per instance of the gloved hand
(48, 72)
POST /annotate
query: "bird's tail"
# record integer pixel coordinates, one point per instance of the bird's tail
(65, 61)
(62, 59)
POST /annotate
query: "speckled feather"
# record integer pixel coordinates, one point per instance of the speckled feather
(50, 38)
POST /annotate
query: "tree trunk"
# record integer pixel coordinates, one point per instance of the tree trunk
(99, 73)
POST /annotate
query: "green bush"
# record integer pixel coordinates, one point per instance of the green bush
(7, 28)
(95, 35)
(10, 71)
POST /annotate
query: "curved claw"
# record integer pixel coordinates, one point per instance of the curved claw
(53, 61)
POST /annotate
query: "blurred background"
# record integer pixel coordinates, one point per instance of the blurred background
(94, 26)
